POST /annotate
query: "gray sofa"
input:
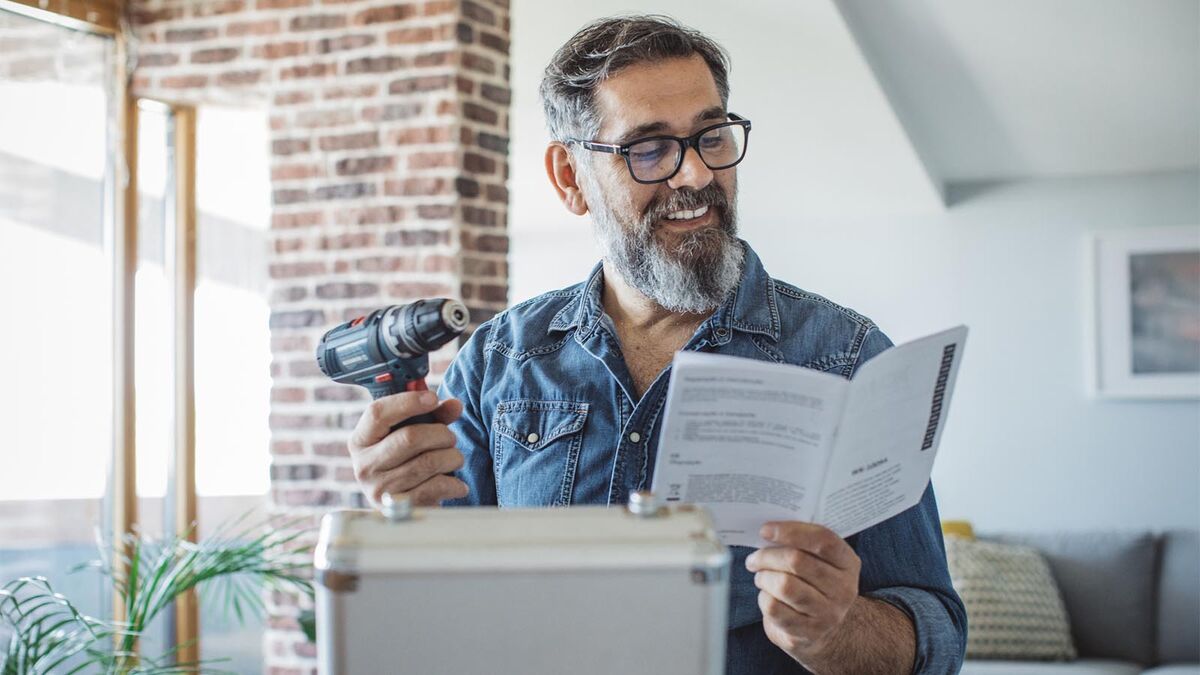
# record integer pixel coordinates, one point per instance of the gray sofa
(1133, 600)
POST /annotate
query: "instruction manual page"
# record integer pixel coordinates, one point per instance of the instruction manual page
(754, 441)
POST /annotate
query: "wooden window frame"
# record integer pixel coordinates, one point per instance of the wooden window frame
(104, 17)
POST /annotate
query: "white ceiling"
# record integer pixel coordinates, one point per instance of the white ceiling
(1038, 88)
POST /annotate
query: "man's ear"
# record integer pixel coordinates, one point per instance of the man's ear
(560, 168)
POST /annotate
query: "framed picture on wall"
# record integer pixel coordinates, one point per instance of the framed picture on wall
(1146, 313)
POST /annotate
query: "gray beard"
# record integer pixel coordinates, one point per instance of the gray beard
(693, 275)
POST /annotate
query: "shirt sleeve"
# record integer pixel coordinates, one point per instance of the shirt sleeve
(464, 381)
(904, 564)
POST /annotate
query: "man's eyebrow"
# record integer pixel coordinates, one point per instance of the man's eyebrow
(714, 113)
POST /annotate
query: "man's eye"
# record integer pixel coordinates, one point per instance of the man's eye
(652, 154)
(713, 141)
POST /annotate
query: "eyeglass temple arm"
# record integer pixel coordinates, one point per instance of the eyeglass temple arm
(596, 147)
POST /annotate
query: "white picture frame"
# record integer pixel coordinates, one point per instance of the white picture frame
(1145, 318)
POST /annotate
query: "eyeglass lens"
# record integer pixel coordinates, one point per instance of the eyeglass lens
(657, 159)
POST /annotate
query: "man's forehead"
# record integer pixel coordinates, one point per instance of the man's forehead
(667, 96)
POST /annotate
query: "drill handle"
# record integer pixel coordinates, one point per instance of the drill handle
(382, 389)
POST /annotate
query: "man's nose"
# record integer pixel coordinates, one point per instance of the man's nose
(694, 173)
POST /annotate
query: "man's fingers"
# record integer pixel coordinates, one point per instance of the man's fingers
(384, 413)
(420, 469)
(406, 443)
(815, 539)
(433, 491)
(791, 590)
(448, 411)
(816, 571)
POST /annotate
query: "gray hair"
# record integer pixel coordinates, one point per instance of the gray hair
(606, 46)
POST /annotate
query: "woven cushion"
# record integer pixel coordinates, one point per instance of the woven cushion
(1014, 610)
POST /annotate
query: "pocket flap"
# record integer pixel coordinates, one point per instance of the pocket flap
(534, 424)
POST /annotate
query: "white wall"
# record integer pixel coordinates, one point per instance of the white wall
(1025, 447)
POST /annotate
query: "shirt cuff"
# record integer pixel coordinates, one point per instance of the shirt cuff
(941, 638)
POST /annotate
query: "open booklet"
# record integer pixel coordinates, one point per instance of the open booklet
(754, 441)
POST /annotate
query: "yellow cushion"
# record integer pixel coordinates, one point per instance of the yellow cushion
(958, 528)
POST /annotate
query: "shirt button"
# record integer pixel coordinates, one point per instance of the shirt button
(635, 437)
(532, 438)
(721, 332)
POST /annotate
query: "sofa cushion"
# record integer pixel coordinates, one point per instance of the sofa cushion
(1179, 598)
(1079, 667)
(1014, 610)
(1107, 584)
(1177, 669)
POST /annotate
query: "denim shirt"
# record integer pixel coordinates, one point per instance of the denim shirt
(551, 418)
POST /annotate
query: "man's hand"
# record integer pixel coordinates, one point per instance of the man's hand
(411, 459)
(807, 585)
(813, 612)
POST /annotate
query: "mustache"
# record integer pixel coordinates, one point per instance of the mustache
(710, 195)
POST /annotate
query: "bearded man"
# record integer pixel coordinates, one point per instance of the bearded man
(559, 399)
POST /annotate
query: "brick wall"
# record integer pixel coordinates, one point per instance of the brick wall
(389, 149)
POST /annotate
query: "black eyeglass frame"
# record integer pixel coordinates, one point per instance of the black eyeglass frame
(692, 141)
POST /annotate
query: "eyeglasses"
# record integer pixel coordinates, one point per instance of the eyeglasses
(658, 158)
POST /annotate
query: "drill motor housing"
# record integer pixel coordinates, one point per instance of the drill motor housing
(387, 351)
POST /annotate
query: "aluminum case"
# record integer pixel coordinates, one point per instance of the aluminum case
(583, 590)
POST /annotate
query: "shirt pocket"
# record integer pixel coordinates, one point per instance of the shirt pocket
(536, 451)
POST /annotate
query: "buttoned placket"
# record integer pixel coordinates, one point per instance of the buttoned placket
(638, 421)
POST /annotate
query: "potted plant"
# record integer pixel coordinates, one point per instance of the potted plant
(49, 635)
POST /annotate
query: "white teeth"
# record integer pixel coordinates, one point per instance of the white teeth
(687, 215)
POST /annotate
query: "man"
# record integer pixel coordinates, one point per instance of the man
(559, 400)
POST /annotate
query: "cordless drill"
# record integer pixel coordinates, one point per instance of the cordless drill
(387, 351)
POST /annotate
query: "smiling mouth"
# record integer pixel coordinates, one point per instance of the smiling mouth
(687, 217)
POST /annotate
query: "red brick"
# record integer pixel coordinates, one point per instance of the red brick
(262, 27)
(404, 36)
(478, 63)
(360, 165)
(344, 42)
(194, 34)
(239, 77)
(410, 187)
(385, 14)
(293, 220)
(439, 263)
(417, 135)
(282, 4)
(351, 91)
(184, 82)
(432, 160)
(355, 141)
(480, 113)
(156, 60)
(307, 70)
(317, 22)
(301, 269)
(423, 83)
(221, 55)
(386, 264)
(477, 163)
(479, 13)
(342, 290)
(376, 64)
(331, 449)
(325, 118)
(374, 215)
(439, 7)
(287, 448)
(339, 242)
(293, 97)
(295, 171)
(280, 50)
(288, 394)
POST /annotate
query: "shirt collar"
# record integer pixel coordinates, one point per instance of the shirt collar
(749, 308)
